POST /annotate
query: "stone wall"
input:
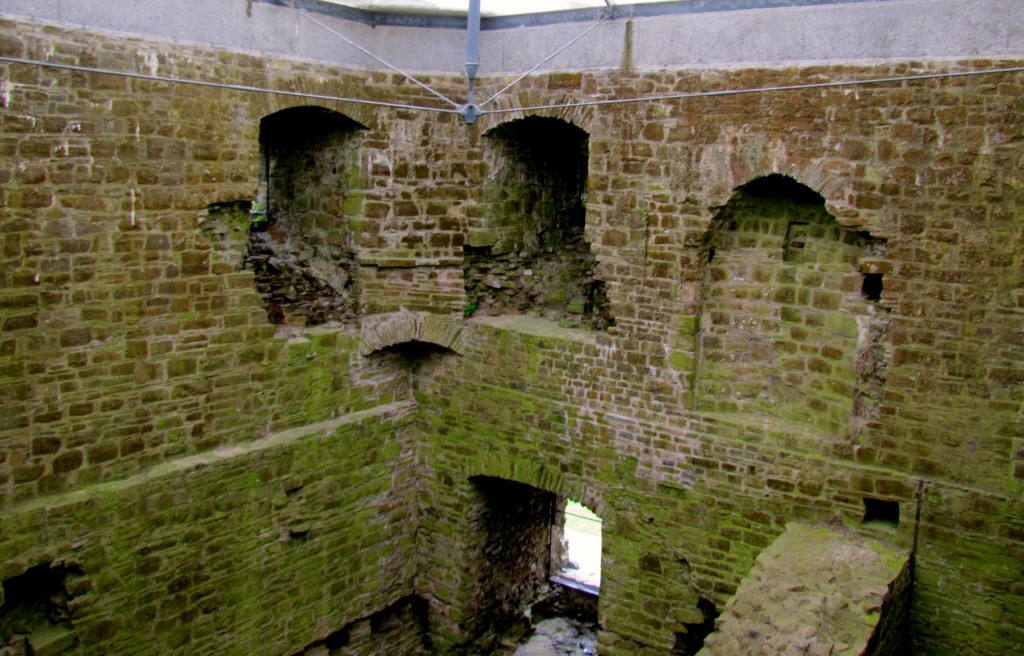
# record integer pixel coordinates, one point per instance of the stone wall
(262, 488)
(292, 535)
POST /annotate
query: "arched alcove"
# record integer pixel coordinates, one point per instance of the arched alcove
(300, 246)
(397, 370)
(515, 554)
(507, 551)
(530, 254)
(784, 306)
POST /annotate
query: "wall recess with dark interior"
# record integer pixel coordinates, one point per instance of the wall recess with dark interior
(509, 545)
(531, 255)
(300, 245)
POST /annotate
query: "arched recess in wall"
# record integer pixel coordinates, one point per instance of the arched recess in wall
(397, 370)
(300, 244)
(529, 254)
(786, 304)
(513, 551)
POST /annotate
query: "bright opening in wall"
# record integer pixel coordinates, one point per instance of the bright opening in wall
(579, 547)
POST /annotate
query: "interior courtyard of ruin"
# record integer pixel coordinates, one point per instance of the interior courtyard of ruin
(639, 329)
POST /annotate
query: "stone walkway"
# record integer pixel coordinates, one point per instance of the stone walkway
(816, 591)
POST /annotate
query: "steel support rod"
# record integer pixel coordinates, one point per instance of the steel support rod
(470, 111)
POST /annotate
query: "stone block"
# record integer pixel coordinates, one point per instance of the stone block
(51, 641)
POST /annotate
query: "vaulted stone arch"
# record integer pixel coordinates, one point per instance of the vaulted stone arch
(402, 327)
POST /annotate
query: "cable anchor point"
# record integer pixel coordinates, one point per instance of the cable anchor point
(470, 113)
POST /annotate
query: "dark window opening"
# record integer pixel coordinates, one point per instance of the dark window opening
(883, 514)
(871, 288)
(531, 255)
(690, 641)
(300, 245)
(35, 615)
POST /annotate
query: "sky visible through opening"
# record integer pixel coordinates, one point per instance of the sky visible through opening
(487, 7)
(583, 537)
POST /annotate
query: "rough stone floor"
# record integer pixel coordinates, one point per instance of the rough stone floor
(560, 636)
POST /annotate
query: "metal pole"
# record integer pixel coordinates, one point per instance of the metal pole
(473, 40)
(470, 111)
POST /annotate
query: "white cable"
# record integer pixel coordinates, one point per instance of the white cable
(366, 52)
(736, 92)
(219, 85)
(550, 57)
(589, 103)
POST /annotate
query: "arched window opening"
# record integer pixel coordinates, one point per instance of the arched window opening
(300, 247)
(516, 542)
(783, 303)
(531, 255)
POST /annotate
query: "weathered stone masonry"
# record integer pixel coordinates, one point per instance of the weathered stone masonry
(210, 482)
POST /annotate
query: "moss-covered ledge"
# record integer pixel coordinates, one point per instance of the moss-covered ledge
(334, 495)
(535, 326)
(819, 590)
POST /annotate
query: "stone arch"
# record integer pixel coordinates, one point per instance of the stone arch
(757, 158)
(300, 244)
(557, 106)
(341, 86)
(404, 327)
(529, 251)
(783, 313)
(538, 475)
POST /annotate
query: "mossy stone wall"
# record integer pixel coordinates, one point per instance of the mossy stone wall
(141, 378)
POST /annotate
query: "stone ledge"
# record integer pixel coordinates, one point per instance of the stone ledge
(817, 590)
(535, 326)
(389, 412)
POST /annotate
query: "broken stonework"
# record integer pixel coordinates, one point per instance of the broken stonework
(819, 591)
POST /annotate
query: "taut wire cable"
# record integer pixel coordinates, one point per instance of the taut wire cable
(366, 52)
(219, 85)
(583, 103)
(736, 92)
(549, 58)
